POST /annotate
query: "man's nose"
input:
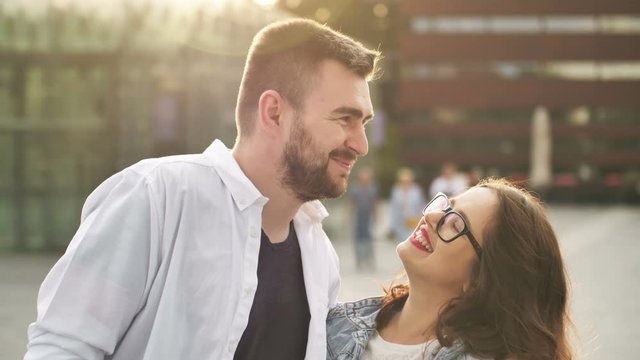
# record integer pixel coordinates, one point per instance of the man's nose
(357, 141)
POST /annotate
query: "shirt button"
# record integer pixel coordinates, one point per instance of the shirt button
(230, 346)
(254, 232)
(247, 291)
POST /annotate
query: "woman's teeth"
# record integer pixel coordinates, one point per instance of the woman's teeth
(419, 235)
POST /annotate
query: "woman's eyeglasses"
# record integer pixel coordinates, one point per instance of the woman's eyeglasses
(452, 225)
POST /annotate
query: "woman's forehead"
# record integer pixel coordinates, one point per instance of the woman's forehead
(478, 204)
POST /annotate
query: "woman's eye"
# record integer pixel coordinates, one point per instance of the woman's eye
(455, 222)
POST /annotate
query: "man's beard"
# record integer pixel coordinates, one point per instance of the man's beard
(308, 176)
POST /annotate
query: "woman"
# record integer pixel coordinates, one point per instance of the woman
(486, 281)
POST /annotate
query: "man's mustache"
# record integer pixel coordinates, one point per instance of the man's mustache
(344, 153)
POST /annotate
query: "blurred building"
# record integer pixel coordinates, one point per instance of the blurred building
(463, 78)
(472, 73)
(89, 87)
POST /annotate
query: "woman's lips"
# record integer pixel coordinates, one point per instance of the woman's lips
(420, 239)
(417, 244)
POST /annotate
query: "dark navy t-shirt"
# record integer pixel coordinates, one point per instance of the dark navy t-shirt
(279, 319)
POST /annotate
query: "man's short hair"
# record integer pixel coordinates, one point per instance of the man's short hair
(284, 57)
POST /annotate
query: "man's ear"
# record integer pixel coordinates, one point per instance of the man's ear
(270, 107)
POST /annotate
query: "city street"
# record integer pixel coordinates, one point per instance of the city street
(600, 244)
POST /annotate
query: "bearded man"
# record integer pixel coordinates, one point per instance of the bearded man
(222, 255)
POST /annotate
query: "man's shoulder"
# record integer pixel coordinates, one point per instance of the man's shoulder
(174, 163)
(174, 170)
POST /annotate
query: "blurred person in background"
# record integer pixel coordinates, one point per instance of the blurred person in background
(486, 281)
(188, 257)
(474, 176)
(405, 204)
(363, 196)
(167, 109)
(449, 182)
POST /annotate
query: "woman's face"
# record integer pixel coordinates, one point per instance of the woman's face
(448, 264)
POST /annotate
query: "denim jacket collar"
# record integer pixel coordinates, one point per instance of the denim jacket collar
(351, 325)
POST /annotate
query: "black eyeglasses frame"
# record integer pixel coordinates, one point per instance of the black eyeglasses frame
(465, 231)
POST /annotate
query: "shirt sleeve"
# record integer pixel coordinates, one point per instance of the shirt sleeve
(90, 296)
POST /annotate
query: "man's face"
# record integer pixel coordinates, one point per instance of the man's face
(327, 135)
(306, 167)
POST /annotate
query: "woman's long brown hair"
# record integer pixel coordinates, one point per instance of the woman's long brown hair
(516, 305)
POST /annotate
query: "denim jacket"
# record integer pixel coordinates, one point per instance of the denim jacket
(351, 325)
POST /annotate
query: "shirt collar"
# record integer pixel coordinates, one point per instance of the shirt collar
(243, 191)
(314, 210)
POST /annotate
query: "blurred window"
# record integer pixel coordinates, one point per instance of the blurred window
(575, 70)
(515, 24)
(620, 24)
(570, 24)
(7, 112)
(7, 211)
(460, 24)
(7, 161)
(526, 24)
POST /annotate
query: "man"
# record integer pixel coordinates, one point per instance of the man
(222, 255)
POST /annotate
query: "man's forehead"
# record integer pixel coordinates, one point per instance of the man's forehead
(340, 90)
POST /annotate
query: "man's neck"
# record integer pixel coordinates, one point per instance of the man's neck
(262, 167)
(276, 219)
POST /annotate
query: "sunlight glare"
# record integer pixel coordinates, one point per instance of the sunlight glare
(265, 2)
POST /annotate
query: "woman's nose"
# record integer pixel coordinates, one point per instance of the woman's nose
(432, 217)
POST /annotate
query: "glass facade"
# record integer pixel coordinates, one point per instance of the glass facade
(85, 93)
(526, 24)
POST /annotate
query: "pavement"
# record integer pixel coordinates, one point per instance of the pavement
(600, 244)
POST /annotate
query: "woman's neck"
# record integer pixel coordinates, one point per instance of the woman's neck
(415, 322)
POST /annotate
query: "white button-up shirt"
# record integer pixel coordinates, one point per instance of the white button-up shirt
(163, 266)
